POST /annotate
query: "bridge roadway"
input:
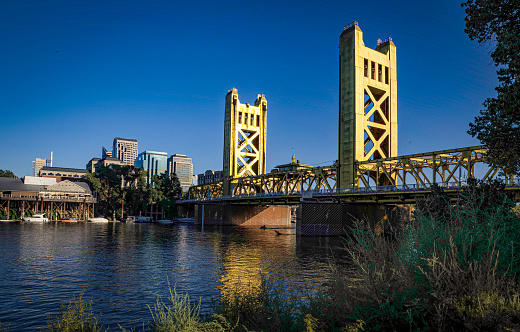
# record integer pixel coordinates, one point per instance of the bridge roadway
(391, 194)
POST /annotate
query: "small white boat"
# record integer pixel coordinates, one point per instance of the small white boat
(98, 220)
(165, 222)
(185, 220)
(143, 220)
(36, 218)
(130, 220)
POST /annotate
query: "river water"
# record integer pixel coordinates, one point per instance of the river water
(124, 268)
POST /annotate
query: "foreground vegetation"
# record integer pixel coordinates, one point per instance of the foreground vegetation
(453, 267)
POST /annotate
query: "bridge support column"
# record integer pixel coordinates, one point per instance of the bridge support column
(243, 215)
(367, 103)
(337, 219)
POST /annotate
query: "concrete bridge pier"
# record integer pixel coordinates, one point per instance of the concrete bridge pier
(243, 215)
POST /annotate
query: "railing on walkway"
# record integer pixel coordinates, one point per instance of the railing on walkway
(68, 198)
(346, 191)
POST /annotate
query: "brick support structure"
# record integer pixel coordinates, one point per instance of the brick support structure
(243, 215)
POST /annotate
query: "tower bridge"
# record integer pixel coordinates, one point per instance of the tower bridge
(368, 170)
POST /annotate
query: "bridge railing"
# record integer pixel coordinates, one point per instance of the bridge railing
(348, 191)
(447, 168)
(52, 197)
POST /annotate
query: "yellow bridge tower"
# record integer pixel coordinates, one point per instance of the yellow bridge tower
(367, 103)
(244, 138)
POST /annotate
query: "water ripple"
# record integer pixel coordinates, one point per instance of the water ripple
(124, 268)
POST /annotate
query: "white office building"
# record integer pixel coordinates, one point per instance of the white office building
(183, 168)
(39, 163)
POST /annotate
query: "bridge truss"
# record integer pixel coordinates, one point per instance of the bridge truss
(394, 174)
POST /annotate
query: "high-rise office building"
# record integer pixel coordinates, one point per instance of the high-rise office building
(125, 150)
(39, 163)
(183, 168)
(105, 153)
(153, 162)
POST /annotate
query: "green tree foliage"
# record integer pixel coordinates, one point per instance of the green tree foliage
(125, 187)
(118, 186)
(7, 174)
(498, 127)
(134, 189)
(165, 190)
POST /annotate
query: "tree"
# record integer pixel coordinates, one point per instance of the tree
(165, 191)
(122, 190)
(7, 174)
(498, 126)
(118, 188)
(106, 184)
(134, 195)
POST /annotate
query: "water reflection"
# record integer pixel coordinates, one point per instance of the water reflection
(125, 267)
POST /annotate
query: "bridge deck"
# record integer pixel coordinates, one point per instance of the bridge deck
(399, 194)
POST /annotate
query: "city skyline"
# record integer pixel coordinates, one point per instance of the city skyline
(79, 74)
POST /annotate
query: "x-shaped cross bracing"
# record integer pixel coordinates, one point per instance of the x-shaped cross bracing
(376, 107)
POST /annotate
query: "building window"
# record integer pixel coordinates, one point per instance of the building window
(379, 73)
(386, 75)
(258, 120)
(373, 70)
(239, 117)
(366, 68)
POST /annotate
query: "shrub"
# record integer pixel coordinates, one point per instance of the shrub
(76, 316)
(261, 308)
(182, 315)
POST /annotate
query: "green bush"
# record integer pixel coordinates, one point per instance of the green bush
(182, 315)
(76, 316)
(14, 214)
(262, 308)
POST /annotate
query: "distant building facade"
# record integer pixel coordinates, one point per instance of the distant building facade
(39, 163)
(38, 180)
(62, 173)
(125, 149)
(153, 162)
(95, 163)
(210, 176)
(105, 153)
(295, 165)
(183, 168)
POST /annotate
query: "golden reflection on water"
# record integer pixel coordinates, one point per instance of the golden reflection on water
(243, 259)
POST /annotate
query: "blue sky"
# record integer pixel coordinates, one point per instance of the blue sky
(76, 74)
